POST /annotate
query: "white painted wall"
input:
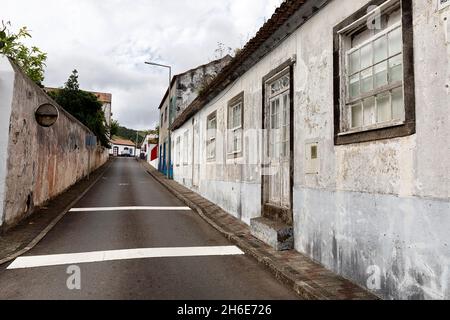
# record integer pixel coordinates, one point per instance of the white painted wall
(6, 96)
(122, 150)
(381, 205)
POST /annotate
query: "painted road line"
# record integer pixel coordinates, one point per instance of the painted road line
(118, 255)
(130, 209)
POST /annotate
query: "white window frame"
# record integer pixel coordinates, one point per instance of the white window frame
(235, 130)
(211, 136)
(178, 151)
(186, 148)
(347, 103)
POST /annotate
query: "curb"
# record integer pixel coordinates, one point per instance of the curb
(55, 221)
(302, 289)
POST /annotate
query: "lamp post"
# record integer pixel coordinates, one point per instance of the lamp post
(169, 156)
(163, 66)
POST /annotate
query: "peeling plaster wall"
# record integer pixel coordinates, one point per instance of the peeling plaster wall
(6, 92)
(184, 91)
(41, 162)
(382, 206)
(376, 211)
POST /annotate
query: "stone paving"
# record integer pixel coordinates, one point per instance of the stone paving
(309, 279)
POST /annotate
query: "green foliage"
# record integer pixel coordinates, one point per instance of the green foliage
(114, 129)
(84, 106)
(31, 60)
(131, 134)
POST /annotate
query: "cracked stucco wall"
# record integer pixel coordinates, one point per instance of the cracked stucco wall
(41, 162)
(378, 210)
(6, 95)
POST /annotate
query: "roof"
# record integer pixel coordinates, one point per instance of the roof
(193, 69)
(287, 18)
(122, 142)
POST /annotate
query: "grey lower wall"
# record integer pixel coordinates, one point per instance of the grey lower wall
(41, 163)
(396, 246)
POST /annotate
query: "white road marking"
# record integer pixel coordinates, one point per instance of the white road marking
(117, 255)
(130, 209)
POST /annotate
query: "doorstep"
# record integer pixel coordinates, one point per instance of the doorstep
(306, 277)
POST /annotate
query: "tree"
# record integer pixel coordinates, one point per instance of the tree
(114, 129)
(84, 106)
(30, 60)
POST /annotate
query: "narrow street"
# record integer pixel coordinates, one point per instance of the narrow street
(165, 223)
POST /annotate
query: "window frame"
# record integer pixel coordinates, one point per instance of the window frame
(383, 130)
(231, 130)
(186, 148)
(211, 139)
(178, 151)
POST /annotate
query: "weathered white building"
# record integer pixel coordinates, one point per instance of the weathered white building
(123, 148)
(184, 88)
(333, 123)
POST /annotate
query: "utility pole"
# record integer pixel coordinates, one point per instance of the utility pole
(137, 141)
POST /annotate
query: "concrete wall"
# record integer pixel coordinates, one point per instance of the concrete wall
(377, 210)
(6, 96)
(41, 163)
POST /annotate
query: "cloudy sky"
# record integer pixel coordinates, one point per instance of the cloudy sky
(108, 41)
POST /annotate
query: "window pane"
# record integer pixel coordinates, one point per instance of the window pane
(383, 108)
(286, 109)
(366, 80)
(395, 42)
(354, 86)
(380, 49)
(369, 111)
(381, 78)
(285, 81)
(354, 62)
(396, 69)
(357, 117)
(366, 56)
(398, 106)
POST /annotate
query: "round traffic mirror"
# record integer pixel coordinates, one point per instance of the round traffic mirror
(46, 115)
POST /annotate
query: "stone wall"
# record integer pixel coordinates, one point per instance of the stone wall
(37, 163)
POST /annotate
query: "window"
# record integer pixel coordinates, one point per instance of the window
(162, 118)
(178, 151)
(165, 115)
(371, 74)
(279, 107)
(235, 126)
(185, 148)
(211, 132)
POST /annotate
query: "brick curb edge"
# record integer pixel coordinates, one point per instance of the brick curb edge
(304, 290)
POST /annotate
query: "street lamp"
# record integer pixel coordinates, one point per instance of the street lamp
(163, 66)
(169, 156)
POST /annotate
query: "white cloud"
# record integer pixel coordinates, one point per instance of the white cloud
(109, 41)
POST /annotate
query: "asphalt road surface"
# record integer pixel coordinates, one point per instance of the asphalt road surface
(91, 253)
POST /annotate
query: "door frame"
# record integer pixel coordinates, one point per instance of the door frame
(270, 211)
